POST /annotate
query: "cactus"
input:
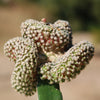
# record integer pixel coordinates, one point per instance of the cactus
(51, 37)
(68, 65)
(44, 56)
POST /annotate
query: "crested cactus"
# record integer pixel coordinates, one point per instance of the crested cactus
(51, 37)
(33, 52)
(23, 78)
(10, 48)
(68, 65)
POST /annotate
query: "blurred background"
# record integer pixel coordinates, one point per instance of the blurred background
(84, 17)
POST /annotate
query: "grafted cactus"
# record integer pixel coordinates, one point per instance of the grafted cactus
(34, 65)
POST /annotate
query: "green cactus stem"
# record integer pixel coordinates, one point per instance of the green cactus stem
(47, 91)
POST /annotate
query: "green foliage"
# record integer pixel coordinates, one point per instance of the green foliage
(80, 13)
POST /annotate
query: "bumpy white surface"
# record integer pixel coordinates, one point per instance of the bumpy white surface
(40, 42)
(24, 53)
(51, 37)
(68, 65)
(10, 47)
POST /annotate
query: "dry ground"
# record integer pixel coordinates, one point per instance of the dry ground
(85, 87)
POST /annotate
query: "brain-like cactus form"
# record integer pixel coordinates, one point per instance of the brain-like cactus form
(32, 52)
(10, 48)
(68, 65)
(51, 37)
(24, 53)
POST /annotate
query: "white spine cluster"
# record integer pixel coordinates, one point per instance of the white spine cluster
(64, 25)
(23, 78)
(51, 37)
(69, 65)
(10, 47)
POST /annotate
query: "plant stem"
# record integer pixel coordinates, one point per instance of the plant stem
(48, 91)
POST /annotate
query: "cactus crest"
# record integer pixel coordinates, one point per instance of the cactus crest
(44, 56)
(50, 37)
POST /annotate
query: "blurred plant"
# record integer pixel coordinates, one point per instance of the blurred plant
(95, 30)
(34, 65)
(80, 13)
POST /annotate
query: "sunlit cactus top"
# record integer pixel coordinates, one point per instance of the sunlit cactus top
(32, 62)
(51, 37)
